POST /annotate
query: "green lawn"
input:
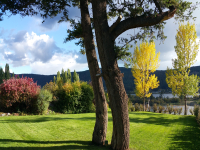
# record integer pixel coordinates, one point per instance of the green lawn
(148, 131)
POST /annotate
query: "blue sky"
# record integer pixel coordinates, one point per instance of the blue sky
(29, 46)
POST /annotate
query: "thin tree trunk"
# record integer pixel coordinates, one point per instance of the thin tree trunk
(144, 104)
(113, 77)
(185, 113)
(100, 129)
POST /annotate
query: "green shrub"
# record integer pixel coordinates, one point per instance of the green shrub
(141, 107)
(191, 111)
(155, 108)
(130, 106)
(160, 109)
(175, 110)
(75, 97)
(170, 109)
(137, 107)
(85, 101)
(198, 117)
(68, 96)
(43, 100)
(180, 110)
(196, 110)
(53, 88)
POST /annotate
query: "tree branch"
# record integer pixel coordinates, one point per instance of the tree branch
(158, 6)
(115, 24)
(141, 21)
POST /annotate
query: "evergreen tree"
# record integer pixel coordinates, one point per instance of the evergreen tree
(65, 77)
(59, 80)
(54, 79)
(69, 77)
(7, 72)
(62, 73)
(75, 76)
(2, 75)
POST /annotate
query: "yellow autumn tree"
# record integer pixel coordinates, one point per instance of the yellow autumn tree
(186, 49)
(146, 62)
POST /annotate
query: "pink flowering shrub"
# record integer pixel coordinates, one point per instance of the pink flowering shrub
(19, 92)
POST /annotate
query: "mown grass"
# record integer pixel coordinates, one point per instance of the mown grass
(148, 131)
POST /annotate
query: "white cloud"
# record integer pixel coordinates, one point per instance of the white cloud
(40, 53)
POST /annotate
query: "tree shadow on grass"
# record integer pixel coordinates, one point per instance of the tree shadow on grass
(42, 119)
(161, 119)
(187, 139)
(71, 145)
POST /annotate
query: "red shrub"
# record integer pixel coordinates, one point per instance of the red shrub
(21, 90)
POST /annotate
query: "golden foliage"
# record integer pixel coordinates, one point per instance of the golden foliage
(146, 62)
(186, 49)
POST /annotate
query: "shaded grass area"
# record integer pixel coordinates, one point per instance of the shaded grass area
(148, 131)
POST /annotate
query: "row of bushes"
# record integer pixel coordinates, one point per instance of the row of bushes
(160, 109)
(135, 99)
(25, 96)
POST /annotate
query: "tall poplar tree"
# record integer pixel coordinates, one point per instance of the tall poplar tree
(69, 76)
(146, 62)
(7, 72)
(59, 80)
(75, 76)
(186, 49)
(54, 79)
(62, 74)
(65, 77)
(2, 75)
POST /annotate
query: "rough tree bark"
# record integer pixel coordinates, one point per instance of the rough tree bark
(105, 37)
(100, 129)
(113, 77)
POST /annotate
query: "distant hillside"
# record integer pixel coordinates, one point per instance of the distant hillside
(128, 78)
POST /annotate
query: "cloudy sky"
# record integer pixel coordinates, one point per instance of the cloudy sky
(30, 46)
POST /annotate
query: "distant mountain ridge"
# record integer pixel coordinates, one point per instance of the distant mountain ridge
(128, 78)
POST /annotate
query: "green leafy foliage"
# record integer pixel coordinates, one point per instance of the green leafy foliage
(18, 94)
(175, 110)
(75, 76)
(196, 110)
(75, 97)
(170, 109)
(85, 101)
(186, 49)
(180, 110)
(130, 106)
(137, 107)
(43, 101)
(52, 87)
(155, 108)
(161, 109)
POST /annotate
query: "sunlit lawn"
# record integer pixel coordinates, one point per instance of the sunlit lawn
(150, 131)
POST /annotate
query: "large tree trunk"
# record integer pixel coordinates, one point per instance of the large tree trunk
(100, 129)
(113, 77)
